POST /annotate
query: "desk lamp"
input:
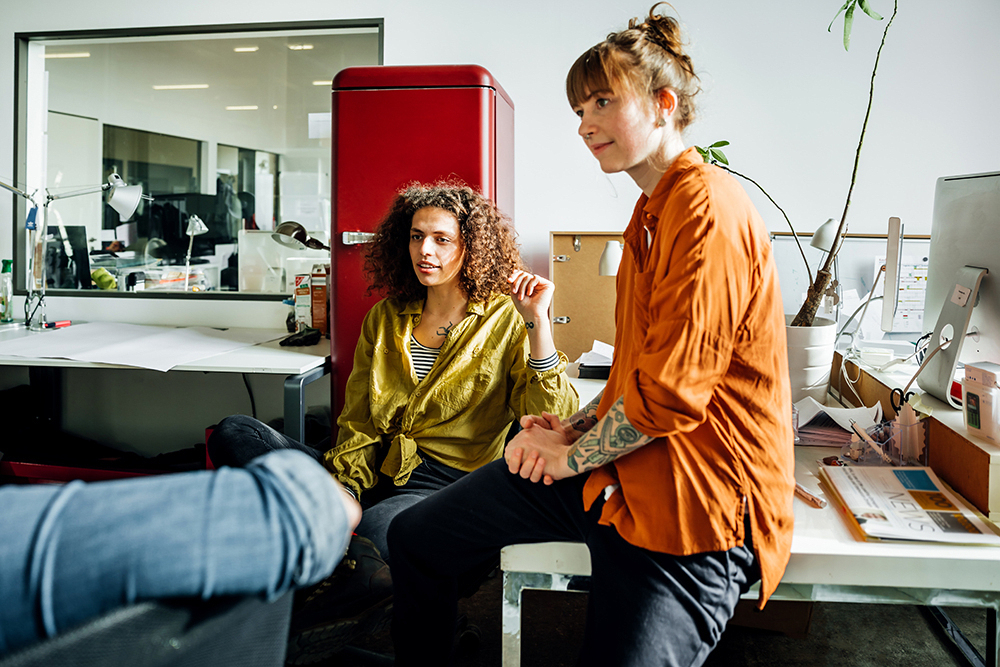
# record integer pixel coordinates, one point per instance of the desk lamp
(122, 198)
(293, 235)
(610, 259)
(195, 227)
(825, 239)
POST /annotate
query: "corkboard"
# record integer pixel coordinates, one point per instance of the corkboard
(582, 295)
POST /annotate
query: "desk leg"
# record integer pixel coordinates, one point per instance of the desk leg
(295, 400)
(46, 393)
(962, 643)
(510, 616)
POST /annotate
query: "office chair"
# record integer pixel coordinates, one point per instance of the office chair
(240, 631)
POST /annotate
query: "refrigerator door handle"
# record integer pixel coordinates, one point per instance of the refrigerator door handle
(355, 238)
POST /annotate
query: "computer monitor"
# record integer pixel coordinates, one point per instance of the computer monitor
(893, 262)
(965, 232)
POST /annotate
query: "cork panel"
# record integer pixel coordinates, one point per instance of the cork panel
(582, 295)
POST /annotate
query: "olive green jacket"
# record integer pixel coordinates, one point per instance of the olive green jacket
(459, 413)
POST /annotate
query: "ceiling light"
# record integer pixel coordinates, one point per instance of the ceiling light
(300, 47)
(245, 49)
(182, 86)
(322, 83)
(82, 54)
(243, 108)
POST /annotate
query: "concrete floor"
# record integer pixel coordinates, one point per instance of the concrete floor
(839, 634)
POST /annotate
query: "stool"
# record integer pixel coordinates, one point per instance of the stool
(552, 566)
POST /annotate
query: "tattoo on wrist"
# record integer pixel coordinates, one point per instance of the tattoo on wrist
(444, 331)
(529, 325)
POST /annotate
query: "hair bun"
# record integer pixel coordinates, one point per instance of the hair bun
(665, 32)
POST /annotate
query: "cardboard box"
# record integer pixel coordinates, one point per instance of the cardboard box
(321, 298)
(303, 301)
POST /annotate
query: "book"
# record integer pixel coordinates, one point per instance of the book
(909, 504)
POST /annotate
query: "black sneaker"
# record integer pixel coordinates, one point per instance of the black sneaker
(355, 600)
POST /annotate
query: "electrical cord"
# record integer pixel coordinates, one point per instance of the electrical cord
(253, 404)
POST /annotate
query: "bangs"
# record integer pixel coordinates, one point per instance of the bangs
(596, 70)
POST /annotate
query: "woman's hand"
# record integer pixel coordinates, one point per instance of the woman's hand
(539, 453)
(532, 295)
(551, 422)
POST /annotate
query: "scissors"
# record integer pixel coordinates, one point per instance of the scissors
(897, 398)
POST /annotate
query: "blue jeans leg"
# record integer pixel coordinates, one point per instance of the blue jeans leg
(645, 608)
(428, 478)
(72, 553)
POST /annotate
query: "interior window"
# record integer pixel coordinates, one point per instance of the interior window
(226, 131)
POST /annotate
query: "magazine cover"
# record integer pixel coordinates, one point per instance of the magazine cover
(912, 504)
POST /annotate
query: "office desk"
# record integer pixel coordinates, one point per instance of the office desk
(827, 564)
(301, 365)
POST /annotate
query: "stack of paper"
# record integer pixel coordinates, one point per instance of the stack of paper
(825, 426)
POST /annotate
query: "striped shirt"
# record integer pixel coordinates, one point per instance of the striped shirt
(424, 358)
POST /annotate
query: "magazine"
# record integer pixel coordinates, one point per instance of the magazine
(908, 504)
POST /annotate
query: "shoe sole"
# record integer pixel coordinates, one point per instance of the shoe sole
(319, 643)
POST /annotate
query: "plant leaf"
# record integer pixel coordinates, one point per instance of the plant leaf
(848, 24)
(867, 9)
(702, 152)
(719, 144)
(846, 5)
(719, 155)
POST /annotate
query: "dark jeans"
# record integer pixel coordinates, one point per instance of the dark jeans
(645, 608)
(239, 439)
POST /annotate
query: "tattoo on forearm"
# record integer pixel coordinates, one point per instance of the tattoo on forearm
(529, 325)
(613, 437)
(444, 331)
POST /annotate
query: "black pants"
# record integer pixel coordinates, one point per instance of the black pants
(645, 608)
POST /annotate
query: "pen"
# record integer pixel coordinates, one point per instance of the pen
(808, 498)
(57, 325)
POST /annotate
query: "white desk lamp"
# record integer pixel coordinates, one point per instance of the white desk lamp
(196, 226)
(825, 239)
(610, 259)
(122, 198)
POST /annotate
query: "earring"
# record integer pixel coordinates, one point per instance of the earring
(661, 122)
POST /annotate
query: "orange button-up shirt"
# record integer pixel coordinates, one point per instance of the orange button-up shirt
(700, 358)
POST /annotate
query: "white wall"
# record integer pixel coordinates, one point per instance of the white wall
(776, 85)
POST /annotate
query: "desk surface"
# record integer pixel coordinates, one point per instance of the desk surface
(269, 358)
(824, 551)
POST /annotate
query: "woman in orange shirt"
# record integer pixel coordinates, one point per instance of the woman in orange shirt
(680, 477)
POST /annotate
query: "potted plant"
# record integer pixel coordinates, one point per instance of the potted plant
(811, 350)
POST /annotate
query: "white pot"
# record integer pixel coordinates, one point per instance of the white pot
(810, 356)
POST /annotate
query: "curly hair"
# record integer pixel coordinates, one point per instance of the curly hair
(491, 251)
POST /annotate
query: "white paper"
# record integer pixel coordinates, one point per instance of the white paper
(600, 354)
(865, 417)
(141, 346)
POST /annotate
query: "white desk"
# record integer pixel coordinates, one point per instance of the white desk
(827, 565)
(301, 365)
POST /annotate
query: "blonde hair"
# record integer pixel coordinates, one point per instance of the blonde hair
(641, 60)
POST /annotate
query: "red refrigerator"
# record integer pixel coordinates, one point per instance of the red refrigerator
(391, 126)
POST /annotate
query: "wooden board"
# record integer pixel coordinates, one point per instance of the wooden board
(582, 295)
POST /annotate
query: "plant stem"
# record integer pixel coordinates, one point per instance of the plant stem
(807, 313)
(794, 235)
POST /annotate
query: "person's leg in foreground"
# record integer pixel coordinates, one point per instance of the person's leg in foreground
(75, 552)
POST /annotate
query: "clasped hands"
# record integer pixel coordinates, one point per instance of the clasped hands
(539, 452)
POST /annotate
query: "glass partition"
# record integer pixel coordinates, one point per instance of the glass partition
(226, 124)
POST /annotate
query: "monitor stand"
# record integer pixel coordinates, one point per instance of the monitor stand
(938, 374)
